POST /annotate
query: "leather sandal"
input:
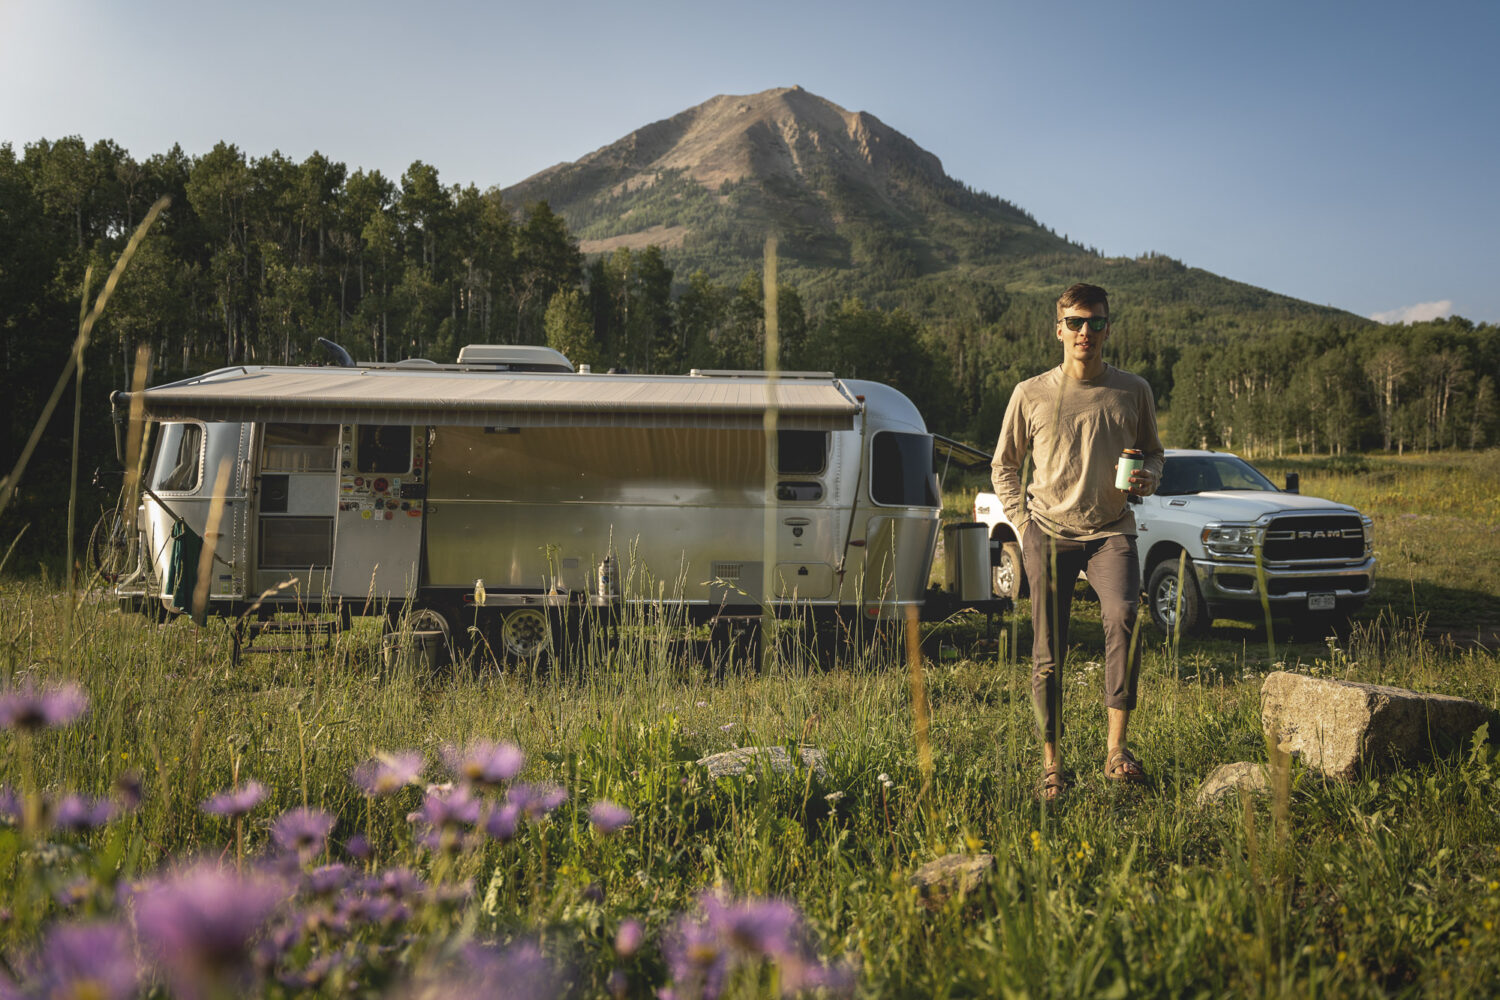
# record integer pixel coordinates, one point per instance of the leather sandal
(1055, 782)
(1124, 768)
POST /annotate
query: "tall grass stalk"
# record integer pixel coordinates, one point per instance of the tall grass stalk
(88, 278)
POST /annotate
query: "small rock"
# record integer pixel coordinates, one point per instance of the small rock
(1228, 779)
(1338, 727)
(951, 874)
(732, 763)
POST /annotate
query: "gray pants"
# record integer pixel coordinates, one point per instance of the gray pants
(1115, 575)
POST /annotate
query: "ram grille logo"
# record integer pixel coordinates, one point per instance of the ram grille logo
(1319, 534)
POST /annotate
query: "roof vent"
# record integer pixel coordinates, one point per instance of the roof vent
(514, 357)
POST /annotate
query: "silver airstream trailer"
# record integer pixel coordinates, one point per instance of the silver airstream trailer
(502, 490)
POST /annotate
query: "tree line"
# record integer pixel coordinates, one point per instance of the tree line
(257, 257)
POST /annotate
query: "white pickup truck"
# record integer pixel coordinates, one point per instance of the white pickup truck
(1317, 555)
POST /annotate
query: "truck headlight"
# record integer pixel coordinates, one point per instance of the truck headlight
(1232, 541)
(1368, 523)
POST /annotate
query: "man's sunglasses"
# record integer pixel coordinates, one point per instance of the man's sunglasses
(1096, 323)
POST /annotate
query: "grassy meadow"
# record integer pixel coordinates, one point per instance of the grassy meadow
(1387, 885)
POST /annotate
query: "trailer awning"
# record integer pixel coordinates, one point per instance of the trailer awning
(488, 399)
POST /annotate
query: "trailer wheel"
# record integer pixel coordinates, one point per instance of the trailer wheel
(421, 636)
(525, 635)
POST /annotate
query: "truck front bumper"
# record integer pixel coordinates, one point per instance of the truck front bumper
(1232, 590)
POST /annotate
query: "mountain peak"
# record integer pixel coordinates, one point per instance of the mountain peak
(846, 193)
(780, 133)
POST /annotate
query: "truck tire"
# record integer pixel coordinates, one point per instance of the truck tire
(1162, 596)
(1009, 572)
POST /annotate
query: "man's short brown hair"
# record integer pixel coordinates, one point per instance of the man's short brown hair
(1084, 296)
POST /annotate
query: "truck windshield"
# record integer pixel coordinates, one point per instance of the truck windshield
(1186, 474)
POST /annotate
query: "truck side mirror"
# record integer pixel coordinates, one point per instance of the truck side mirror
(1293, 483)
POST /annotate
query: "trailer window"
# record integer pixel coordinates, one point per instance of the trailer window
(383, 449)
(300, 448)
(179, 459)
(801, 453)
(296, 542)
(901, 470)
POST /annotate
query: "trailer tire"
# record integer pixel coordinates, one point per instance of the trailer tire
(525, 635)
(424, 632)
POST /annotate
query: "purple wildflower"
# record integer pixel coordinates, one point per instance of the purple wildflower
(236, 801)
(445, 814)
(327, 879)
(323, 920)
(373, 910)
(484, 764)
(839, 979)
(128, 790)
(84, 960)
(769, 927)
(388, 773)
(503, 823)
(629, 937)
(77, 813)
(303, 831)
(358, 847)
(11, 809)
(314, 974)
(536, 801)
(396, 883)
(198, 924)
(703, 949)
(608, 817)
(277, 943)
(696, 957)
(520, 972)
(30, 708)
(75, 892)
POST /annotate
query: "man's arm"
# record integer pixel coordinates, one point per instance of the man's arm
(1149, 442)
(1010, 452)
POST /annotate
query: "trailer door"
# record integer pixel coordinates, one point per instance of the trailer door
(377, 544)
(294, 506)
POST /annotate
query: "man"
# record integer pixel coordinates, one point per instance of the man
(1076, 420)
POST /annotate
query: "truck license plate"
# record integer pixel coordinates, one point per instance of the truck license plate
(1320, 602)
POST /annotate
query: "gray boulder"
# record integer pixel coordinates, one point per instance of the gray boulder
(1228, 779)
(732, 763)
(952, 874)
(1338, 727)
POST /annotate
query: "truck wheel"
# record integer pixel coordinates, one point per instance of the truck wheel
(1162, 598)
(524, 635)
(1009, 572)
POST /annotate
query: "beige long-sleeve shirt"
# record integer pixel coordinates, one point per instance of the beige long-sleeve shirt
(1075, 430)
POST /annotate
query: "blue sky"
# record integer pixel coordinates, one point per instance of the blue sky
(1343, 153)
